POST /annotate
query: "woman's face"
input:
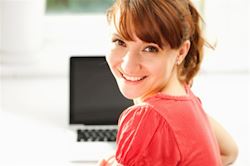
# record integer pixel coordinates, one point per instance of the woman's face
(141, 69)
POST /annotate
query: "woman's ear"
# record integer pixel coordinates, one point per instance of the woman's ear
(183, 51)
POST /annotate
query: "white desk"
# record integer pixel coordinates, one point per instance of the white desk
(26, 141)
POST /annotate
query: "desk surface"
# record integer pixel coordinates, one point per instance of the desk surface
(29, 142)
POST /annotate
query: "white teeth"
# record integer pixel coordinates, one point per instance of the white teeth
(132, 78)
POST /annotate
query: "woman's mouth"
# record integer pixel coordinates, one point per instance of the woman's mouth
(133, 78)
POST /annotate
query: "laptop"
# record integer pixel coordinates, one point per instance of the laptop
(95, 106)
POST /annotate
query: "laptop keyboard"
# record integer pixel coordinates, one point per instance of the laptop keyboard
(108, 135)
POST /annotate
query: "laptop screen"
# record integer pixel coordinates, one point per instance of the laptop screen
(94, 95)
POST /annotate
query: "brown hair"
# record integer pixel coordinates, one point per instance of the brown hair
(164, 22)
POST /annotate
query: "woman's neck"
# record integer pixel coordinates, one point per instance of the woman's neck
(175, 88)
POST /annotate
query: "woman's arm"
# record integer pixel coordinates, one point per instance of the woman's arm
(228, 147)
(110, 161)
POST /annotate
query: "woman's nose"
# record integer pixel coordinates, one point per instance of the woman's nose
(131, 63)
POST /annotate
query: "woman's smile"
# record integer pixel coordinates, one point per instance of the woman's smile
(133, 79)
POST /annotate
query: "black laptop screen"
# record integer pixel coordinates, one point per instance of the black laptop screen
(94, 95)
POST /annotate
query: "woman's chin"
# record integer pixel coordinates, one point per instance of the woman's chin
(130, 95)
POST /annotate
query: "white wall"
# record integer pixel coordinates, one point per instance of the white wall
(1, 26)
(38, 90)
(227, 25)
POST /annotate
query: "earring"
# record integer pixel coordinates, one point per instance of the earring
(178, 62)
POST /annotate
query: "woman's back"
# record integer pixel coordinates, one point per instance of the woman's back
(167, 130)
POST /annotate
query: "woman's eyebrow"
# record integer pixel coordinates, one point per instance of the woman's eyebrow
(116, 35)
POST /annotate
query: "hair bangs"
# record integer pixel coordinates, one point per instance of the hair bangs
(136, 20)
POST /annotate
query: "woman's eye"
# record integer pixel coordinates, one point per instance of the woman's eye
(119, 42)
(151, 49)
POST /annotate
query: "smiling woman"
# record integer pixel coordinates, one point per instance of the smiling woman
(156, 49)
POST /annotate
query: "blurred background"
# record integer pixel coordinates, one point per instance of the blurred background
(37, 37)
